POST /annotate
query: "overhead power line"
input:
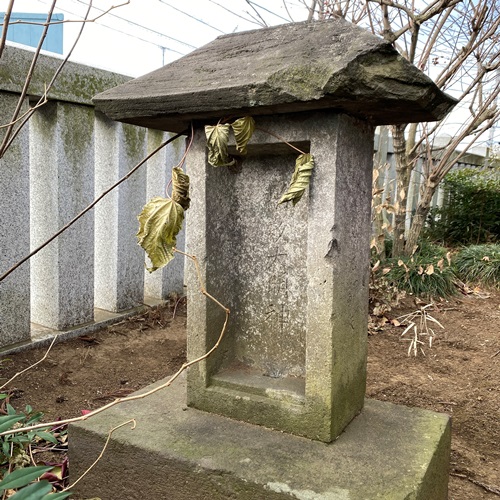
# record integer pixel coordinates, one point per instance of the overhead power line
(270, 11)
(120, 31)
(140, 26)
(192, 17)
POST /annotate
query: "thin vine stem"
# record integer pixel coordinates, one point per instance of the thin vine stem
(166, 384)
(31, 366)
(91, 206)
(280, 139)
(183, 159)
(110, 433)
(203, 290)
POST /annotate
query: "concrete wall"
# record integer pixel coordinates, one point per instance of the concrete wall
(65, 156)
(384, 155)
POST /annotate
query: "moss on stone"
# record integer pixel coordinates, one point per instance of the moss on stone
(302, 81)
(134, 140)
(76, 82)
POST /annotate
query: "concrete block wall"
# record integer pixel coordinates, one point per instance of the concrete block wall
(67, 155)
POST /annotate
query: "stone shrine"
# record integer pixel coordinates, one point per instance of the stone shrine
(294, 277)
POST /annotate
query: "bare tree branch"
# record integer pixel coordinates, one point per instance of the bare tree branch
(90, 207)
(312, 9)
(26, 116)
(27, 82)
(259, 17)
(235, 14)
(287, 11)
(6, 19)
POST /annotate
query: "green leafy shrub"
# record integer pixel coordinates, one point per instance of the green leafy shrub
(427, 272)
(471, 213)
(16, 469)
(479, 264)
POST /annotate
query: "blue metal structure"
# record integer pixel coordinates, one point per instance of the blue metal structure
(22, 31)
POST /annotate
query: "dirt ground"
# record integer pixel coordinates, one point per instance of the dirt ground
(459, 375)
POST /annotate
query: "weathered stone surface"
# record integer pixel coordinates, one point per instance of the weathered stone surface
(388, 452)
(119, 263)
(295, 278)
(62, 184)
(14, 230)
(294, 67)
(77, 83)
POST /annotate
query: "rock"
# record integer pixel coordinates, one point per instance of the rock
(289, 68)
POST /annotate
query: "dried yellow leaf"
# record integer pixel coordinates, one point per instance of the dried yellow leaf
(300, 179)
(159, 224)
(217, 143)
(243, 129)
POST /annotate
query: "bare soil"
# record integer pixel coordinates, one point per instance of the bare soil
(459, 375)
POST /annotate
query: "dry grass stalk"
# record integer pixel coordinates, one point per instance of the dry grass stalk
(418, 322)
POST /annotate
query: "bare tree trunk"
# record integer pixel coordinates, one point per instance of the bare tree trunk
(421, 213)
(403, 171)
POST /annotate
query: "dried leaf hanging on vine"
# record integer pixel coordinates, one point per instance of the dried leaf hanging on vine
(161, 220)
(243, 129)
(180, 187)
(300, 179)
(217, 142)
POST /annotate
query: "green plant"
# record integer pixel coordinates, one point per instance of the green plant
(479, 264)
(471, 213)
(425, 273)
(17, 469)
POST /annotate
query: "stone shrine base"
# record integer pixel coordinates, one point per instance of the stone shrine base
(388, 452)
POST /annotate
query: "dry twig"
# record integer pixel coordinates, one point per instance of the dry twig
(110, 433)
(31, 366)
(487, 487)
(11, 134)
(169, 382)
(422, 317)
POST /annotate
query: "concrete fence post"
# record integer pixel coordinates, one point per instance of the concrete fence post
(119, 261)
(62, 184)
(14, 232)
(170, 279)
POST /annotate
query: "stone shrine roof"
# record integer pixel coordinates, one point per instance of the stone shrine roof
(284, 69)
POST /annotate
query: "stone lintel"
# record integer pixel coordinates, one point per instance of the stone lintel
(284, 69)
(389, 452)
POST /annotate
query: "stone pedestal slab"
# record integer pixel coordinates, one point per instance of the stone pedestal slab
(388, 452)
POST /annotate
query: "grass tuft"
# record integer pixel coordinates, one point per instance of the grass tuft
(479, 264)
(427, 273)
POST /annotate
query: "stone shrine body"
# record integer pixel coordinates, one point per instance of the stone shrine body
(294, 277)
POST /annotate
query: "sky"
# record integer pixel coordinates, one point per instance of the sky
(144, 35)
